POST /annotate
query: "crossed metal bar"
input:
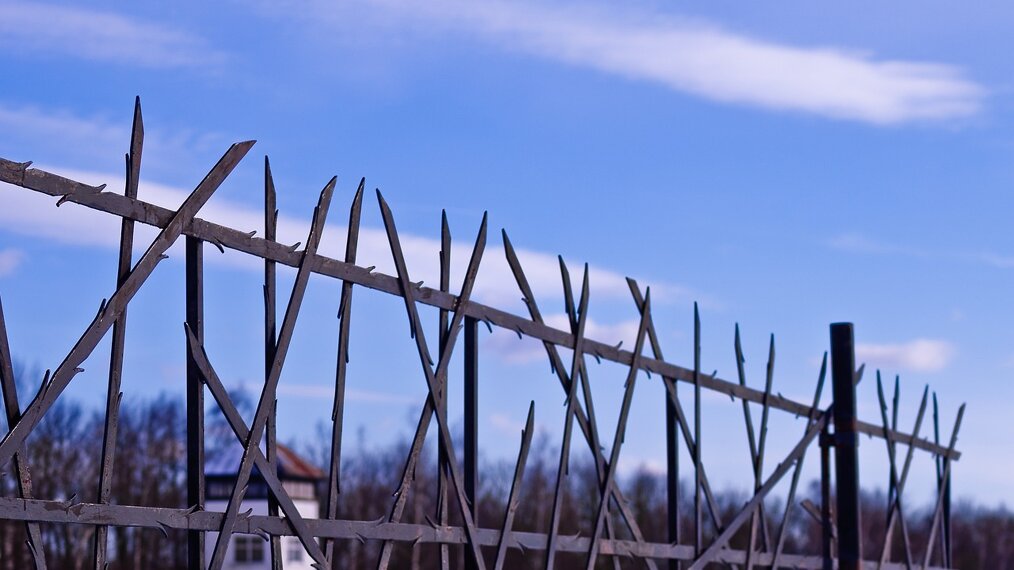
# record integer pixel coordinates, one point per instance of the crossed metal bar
(454, 309)
(20, 174)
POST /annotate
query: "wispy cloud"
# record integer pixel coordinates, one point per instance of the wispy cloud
(857, 243)
(505, 424)
(919, 355)
(33, 214)
(91, 138)
(10, 259)
(79, 33)
(690, 56)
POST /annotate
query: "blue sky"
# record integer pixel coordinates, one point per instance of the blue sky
(785, 165)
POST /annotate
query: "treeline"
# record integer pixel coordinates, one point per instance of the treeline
(150, 470)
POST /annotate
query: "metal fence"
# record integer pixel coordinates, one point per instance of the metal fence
(615, 537)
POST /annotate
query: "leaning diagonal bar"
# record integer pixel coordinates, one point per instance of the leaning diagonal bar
(9, 390)
(20, 174)
(242, 433)
(513, 499)
(113, 394)
(110, 311)
(446, 349)
(576, 363)
(586, 423)
(266, 402)
(797, 452)
(621, 430)
(338, 411)
(419, 334)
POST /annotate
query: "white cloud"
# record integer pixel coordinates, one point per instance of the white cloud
(100, 36)
(688, 56)
(505, 424)
(996, 260)
(33, 214)
(10, 259)
(858, 243)
(89, 139)
(919, 355)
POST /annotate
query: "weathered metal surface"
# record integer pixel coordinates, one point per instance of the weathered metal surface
(12, 412)
(341, 367)
(21, 175)
(456, 483)
(113, 394)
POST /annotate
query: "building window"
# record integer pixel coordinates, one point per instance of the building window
(294, 552)
(248, 549)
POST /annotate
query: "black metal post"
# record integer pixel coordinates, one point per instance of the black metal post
(672, 483)
(195, 399)
(826, 525)
(471, 451)
(947, 553)
(843, 366)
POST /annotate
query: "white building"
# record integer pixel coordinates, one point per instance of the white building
(251, 552)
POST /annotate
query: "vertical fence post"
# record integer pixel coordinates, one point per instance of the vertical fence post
(826, 524)
(948, 561)
(672, 480)
(843, 366)
(471, 391)
(195, 399)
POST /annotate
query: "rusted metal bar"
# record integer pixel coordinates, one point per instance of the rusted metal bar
(672, 475)
(943, 496)
(943, 488)
(111, 310)
(266, 401)
(513, 498)
(681, 420)
(270, 342)
(585, 384)
(408, 473)
(427, 362)
(895, 401)
(443, 512)
(621, 430)
(113, 394)
(827, 530)
(791, 498)
(20, 174)
(195, 397)
(850, 552)
(759, 517)
(338, 410)
(895, 512)
(562, 467)
(60, 512)
(12, 411)
(698, 507)
(470, 451)
(587, 424)
(744, 514)
(297, 525)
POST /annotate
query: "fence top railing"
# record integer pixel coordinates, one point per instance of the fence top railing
(223, 237)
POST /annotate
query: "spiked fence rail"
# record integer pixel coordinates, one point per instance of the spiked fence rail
(615, 536)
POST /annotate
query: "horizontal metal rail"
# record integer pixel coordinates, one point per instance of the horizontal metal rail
(166, 519)
(20, 174)
(92, 197)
